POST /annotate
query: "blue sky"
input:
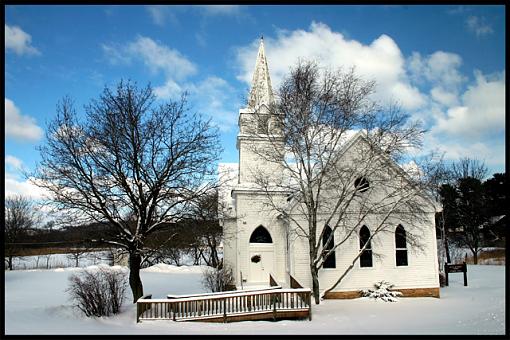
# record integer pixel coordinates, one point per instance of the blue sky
(444, 64)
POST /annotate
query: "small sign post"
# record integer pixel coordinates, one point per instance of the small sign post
(456, 268)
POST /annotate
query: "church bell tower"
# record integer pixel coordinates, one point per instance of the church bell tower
(257, 123)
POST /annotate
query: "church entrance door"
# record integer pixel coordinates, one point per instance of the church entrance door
(261, 255)
(261, 262)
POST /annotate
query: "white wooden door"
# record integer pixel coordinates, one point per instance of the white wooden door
(261, 264)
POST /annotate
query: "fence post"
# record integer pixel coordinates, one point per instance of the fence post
(310, 306)
(274, 306)
(224, 310)
(446, 273)
(465, 273)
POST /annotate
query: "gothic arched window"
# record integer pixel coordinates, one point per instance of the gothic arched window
(330, 261)
(260, 235)
(400, 246)
(365, 259)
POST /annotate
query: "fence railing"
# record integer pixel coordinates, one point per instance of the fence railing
(271, 302)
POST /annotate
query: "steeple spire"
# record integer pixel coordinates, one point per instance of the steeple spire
(261, 92)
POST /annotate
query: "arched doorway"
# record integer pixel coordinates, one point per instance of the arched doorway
(261, 255)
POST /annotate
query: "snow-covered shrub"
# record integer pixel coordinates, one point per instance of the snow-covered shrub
(98, 292)
(218, 280)
(382, 292)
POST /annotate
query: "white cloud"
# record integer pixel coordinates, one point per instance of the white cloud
(441, 70)
(169, 90)
(156, 56)
(210, 96)
(160, 14)
(19, 126)
(13, 162)
(490, 151)
(481, 112)
(160, 57)
(216, 96)
(381, 60)
(19, 41)
(15, 186)
(219, 9)
(116, 54)
(478, 25)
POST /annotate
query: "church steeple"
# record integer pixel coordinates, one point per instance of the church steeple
(261, 92)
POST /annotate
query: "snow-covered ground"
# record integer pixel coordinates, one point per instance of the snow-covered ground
(36, 303)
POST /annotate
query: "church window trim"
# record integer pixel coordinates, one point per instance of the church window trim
(366, 258)
(330, 261)
(261, 235)
(401, 258)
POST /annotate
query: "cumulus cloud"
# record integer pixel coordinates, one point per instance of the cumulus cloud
(441, 70)
(481, 111)
(16, 186)
(380, 60)
(463, 118)
(18, 126)
(19, 41)
(478, 25)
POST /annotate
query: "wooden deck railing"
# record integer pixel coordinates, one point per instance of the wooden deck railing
(241, 305)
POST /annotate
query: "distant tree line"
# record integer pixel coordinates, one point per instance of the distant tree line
(198, 237)
(474, 208)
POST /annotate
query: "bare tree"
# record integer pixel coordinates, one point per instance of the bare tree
(79, 252)
(20, 215)
(207, 230)
(332, 176)
(131, 162)
(469, 167)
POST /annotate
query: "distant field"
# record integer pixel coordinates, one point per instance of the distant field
(490, 256)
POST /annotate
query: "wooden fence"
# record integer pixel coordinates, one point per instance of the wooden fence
(245, 305)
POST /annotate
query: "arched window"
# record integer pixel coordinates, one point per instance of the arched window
(260, 235)
(365, 259)
(330, 261)
(400, 246)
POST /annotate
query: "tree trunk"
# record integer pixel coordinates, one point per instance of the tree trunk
(10, 262)
(475, 257)
(315, 284)
(134, 276)
(447, 250)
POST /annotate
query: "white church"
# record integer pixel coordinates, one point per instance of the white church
(258, 242)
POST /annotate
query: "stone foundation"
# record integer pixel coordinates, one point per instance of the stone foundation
(408, 292)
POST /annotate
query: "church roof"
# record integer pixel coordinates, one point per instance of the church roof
(261, 92)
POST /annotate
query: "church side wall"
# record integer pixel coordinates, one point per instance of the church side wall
(421, 272)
